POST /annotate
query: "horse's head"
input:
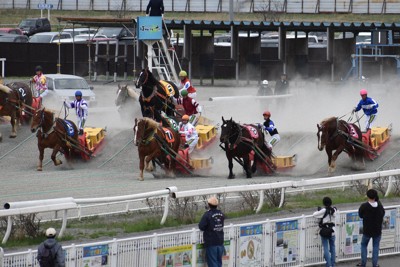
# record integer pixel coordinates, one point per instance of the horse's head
(41, 118)
(228, 129)
(143, 78)
(325, 129)
(144, 129)
(122, 95)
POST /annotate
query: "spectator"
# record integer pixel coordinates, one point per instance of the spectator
(372, 213)
(155, 8)
(327, 215)
(212, 225)
(50, 253)
(282, 86)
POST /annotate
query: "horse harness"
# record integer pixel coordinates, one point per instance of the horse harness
(240, 138)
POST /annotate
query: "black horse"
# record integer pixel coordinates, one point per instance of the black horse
(155, 95)
(240, 141)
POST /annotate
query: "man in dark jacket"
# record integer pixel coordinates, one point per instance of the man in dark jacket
(372, 213)
(282, 85)
(50, 253)
(156, 8)
(212, 225)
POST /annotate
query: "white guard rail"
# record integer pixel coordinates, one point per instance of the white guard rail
(284, 242)
(313, 183)
(65, 204)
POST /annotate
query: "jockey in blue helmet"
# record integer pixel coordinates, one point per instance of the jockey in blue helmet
(81, 109)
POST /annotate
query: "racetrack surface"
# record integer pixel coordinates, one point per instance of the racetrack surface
(295, 118)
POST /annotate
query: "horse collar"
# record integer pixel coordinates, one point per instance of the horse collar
(153, 93)
(45, 134)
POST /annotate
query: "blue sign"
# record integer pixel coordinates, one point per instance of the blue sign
(45, 6)
(149, 28)
(92, 251)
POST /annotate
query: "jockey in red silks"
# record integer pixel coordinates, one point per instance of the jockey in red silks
(370, 108)
(191, 136)
(186, 84)
(39, 80)
(191, 107)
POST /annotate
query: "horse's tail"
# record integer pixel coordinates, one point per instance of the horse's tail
(132, 93)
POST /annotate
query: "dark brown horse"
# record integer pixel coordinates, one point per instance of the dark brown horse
(239, 141)
(155, 95)
(15, 100)
(52, 132)
(151, 140)
(334, 134)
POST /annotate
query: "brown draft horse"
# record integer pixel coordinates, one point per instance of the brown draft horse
(334, 134)
(150, 139)
(54, 133)
(14, 98)
(239, 141)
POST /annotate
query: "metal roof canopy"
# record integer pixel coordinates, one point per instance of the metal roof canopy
(98, 22)
(274, 26)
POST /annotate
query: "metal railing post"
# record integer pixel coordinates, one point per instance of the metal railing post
(64, 223)
(302, 237)
(8, 231)
(114, 253)
(261, 202)
(166, 209)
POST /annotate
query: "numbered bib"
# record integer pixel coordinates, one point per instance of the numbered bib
(169, 136)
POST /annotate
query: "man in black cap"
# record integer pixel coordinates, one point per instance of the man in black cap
(372, 213)
(212, 225)
(155, 8)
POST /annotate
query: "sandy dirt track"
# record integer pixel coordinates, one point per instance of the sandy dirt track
(296, 120)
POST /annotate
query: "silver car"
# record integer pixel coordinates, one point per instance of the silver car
(62, 87)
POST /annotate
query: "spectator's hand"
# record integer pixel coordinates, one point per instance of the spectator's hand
(147, 15)
(319, 208)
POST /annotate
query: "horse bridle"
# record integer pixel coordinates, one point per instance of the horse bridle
(145, 138)
(40, 125)
(232, 133)
(147, 77)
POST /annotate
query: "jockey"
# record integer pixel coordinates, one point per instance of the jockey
(186, 128)
(370, 108)
(39, 81)
(269, 127)
(190, 105)
(81, 108)
(186, 84)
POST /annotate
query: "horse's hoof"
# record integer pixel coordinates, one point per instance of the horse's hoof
(231, 177)
(58, 162)
(140, 179)
(39, 169)
(248, 176)
(12, 136)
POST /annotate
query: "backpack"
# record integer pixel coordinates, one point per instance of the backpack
(47, 259)
(326, 229)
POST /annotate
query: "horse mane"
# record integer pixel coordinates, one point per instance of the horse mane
(327, 120)
(151, 123)
(5, 89)
(132, 93)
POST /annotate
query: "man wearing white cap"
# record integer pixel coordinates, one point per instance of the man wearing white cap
(212, 225)
(50, 253)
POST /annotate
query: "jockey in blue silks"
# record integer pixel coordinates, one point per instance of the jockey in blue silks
(370, 108)
(269, 126)
(81, 109)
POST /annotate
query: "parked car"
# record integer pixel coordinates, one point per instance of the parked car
(49, 37)
(11, 31)
(34, 25)
(13, 38)
(63, 86)
(79, 31)
(120, 33)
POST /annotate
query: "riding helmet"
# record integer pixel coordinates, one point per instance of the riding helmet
(265, 82)
(182, 73)
(38, 68)
(184, 92)
(363, 92)
(267, 113)
(78, 93)
(185, 117)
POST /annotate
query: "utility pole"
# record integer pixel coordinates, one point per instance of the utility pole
(231, 10)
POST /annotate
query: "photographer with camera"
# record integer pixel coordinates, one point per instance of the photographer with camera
(327, 216)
